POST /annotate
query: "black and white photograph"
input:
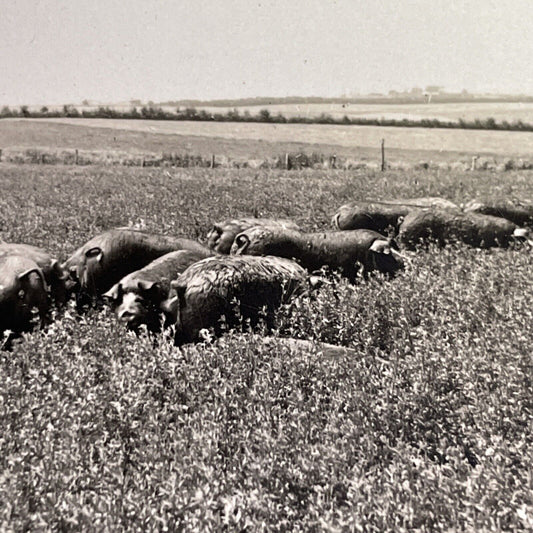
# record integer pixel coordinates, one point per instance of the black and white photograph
(266, 266)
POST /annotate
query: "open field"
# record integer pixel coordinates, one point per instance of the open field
(429, 428)
(253, 140)
(27, 134)
(481, 142)
(447, 112)
(451, 112)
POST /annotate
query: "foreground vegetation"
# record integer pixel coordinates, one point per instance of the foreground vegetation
(428, 428)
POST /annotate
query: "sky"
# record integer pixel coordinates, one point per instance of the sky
(65, 51)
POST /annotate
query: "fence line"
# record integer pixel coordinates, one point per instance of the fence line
(285, 161)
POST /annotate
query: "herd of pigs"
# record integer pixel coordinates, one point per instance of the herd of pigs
(247, 268)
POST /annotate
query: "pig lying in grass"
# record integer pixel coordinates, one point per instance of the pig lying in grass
(383, 216)
(105, 259)
(23, 289)
(474, 229)
(521, 213)
(222, 235)
(137, 297)
(350, 252)
(56, 277)
(232, 288)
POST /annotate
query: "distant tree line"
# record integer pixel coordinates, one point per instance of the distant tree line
(153, 112)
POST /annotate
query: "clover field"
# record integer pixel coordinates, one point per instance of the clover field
(429, 427)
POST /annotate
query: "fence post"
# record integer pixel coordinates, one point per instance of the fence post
(76, 160)
(382, 155)
(0, 154)
(42, 159)
(474, 161)
(287, 161)
(213, 161)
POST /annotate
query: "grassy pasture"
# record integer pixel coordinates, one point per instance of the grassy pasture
(27, 134)
(429, 428)
(409, 144)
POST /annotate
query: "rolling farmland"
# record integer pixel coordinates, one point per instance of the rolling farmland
(483, 142)
(255, 140)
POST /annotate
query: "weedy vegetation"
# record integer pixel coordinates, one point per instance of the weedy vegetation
(428, 428)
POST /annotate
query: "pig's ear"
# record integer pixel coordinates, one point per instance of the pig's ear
(114, 294)
(59, 271)
(381, 246)
(95, 253)
(150, 289)
(146, 286)
(176, 298)
(23, 275)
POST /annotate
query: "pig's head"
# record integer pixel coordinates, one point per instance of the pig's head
(23, 289)
(136, 303)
